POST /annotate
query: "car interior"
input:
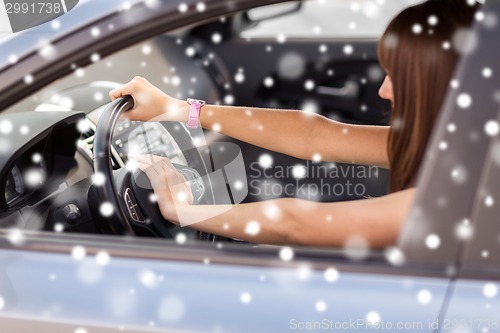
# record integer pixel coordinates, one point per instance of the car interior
(51, 182)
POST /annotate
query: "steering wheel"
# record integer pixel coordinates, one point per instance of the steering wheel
(124, 197)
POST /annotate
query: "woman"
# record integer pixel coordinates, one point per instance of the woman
(416, 54)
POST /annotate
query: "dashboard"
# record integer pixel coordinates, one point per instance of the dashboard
(28, 174)
(36, 154)
(131, 137)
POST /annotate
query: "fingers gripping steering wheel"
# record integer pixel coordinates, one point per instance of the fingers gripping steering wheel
(124, 198)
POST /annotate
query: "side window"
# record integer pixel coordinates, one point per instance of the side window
(338, 19)
(483, 231)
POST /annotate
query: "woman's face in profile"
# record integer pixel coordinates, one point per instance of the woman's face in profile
(386, 91)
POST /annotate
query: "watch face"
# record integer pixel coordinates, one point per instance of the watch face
(199, 101)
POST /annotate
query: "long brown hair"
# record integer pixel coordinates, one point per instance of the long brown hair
(417, 51)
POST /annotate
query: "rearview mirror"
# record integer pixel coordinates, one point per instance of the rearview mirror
(263, 13)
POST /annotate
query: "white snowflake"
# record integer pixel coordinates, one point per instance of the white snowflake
(331, 274)
(464, 100)
(229, 99)
(348, 49)
(16, 237)
(281, 38)
(268, 82)
(78, 253)
(79, 72)
(309, 85)
(95, 32)
(417, 29)
(252, 228)
(464, 230)
(29, 79)
(13, 59)
(320, 306)
(95, 57)
(432, 241)
(299, 171)
(459, 175)
(490, 290)
(432, 20)
(373, 318)
(106, 209)
(148, 278)
(181, 238)
(240, 76)
(190, 51)
(479, 16)
(24, 129)
(55, 24)
(80, 330)
(395, 256)
(48, 51)
(146, 49)
(266, 161)
(492, 128)
(443, 145)
(454, 83)
(487, 72)
(286, 253)
(216, 38)
(102, 258)
(6, 127)
(316, 158)
(272, 211)
(489, 201)
(245, 297)
(356, 248)
(304, 272)
(201, 7)
(34, 177)
(424, 296)
(183, 8)
(238, 185)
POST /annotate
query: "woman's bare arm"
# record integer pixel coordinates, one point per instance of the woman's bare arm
(299, 134)
(299, 222)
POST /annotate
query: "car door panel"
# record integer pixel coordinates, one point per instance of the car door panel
(147, 293)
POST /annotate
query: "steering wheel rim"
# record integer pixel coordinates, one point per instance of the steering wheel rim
(117, 221)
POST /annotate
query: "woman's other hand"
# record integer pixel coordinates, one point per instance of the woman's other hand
(151, 104)
(171, 189)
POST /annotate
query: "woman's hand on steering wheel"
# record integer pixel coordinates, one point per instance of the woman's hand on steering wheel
(151, 104)
(171, 189)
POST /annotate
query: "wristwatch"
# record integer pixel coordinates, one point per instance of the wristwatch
(194, 112)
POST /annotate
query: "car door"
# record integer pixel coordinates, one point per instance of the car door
(98, 283)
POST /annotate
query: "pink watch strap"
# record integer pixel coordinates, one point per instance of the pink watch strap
(194, 114)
